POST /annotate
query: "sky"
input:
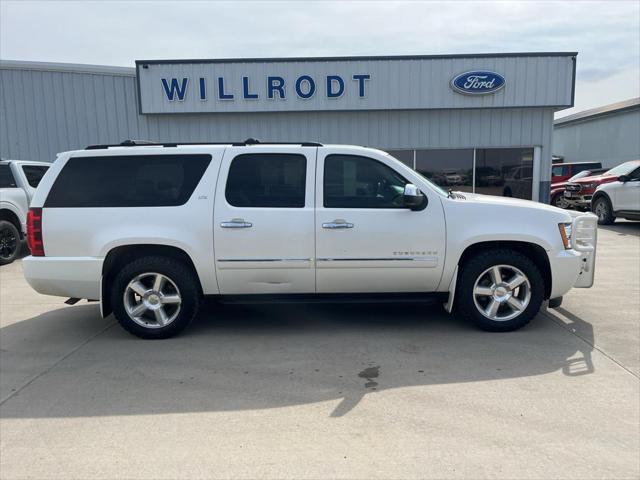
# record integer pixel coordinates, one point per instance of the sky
(606, 34)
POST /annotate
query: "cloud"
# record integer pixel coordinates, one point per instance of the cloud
(606, 34)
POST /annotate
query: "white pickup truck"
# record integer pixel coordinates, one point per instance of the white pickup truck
(18, 182)
(149, 229)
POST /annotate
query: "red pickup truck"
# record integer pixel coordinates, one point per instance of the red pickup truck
(561, 172)
(578, 193)
(557, 189)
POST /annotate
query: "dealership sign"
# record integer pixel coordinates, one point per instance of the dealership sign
(478, 82)
(337, 84)
(272, 87)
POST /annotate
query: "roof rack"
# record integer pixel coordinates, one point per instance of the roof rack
(147, 143)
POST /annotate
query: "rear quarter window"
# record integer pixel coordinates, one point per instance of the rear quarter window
(127, 181)
(34, 174)
(6, 177)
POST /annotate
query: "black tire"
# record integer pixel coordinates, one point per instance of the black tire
(179, 274)
(465, 304)
(558, 201)
(601, 206)
(10, 242)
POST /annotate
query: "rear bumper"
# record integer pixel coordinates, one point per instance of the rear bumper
(77, 277)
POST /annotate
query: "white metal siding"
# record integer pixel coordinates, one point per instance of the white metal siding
(611, 139)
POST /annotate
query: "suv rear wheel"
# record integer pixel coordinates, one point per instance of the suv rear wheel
(499, 290)
(9, 242)
(155, 297)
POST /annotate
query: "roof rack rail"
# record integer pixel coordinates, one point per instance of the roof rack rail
(147, 143)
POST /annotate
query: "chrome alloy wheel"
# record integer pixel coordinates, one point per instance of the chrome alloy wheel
(501, 293)
(152, 300)
(601, 210)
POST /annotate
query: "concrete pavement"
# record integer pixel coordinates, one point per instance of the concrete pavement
(333, 391)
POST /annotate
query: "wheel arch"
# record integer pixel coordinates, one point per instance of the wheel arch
(120, 256)
(531, 250)
(11, 217)
(598, 195)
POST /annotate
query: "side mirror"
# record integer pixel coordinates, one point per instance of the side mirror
(623, 178)
(413, 198)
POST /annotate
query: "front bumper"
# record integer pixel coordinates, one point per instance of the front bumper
(76, 277)
(578, 199)
(575, 267)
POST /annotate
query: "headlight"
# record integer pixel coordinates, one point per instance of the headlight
(589, 186)
(565, 233)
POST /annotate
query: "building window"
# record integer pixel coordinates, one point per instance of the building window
(504, 171)
(491, 171)
(405, 156)
(451, 168)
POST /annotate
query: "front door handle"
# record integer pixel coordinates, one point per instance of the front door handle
(337, 224)
(236, 223)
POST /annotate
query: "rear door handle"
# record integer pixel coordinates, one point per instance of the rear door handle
(336, 224)
(236, 223)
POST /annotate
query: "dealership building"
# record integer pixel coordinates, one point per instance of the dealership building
(479, 123)
(609, 134)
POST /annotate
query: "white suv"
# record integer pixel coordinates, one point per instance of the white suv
(149, 229)
(618, 199)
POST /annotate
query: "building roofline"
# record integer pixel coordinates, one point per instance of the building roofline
(67, 67)
(358, 58)
(593, 113)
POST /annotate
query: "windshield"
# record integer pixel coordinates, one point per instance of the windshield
(435, 186)
(584, 173)
(624, 169)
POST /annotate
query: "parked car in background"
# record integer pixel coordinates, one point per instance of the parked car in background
(557, 189)
(578, 194)
(157, 227)
(18, 182)
(518, 182)
(561, 172)
(620, 198)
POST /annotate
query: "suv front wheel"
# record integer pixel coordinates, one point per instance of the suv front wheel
(601, 206)
(155, 297)
(499, 290)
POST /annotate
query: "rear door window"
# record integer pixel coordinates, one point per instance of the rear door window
(6, 177)
(128, 181)
(268, 180)
(34, 174)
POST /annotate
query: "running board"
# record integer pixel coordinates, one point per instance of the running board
(332, 298)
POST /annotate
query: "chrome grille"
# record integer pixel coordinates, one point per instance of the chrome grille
(573, 187)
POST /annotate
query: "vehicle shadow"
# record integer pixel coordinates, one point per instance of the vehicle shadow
(268, 356)
(623, 228)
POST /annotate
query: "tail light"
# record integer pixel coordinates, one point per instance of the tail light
(34, 232)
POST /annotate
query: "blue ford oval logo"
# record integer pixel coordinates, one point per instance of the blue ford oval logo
(477, 82)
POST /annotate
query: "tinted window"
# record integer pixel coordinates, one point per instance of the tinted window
(274, 180)
(127, 181)
(34, 174)
(359, 182)
(635, 175)
(6, 177)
